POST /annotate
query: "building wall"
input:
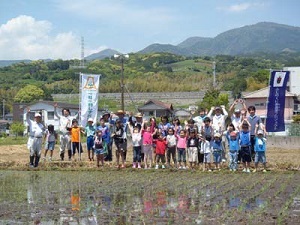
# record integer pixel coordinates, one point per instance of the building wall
(294, 83)
(261, 107)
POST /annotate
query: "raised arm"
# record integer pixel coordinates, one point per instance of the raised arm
(232, 107)
(210, 112)
(225, 113)
(55, 111)
(28, 120)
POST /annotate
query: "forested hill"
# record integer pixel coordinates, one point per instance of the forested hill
(159, 72)
(260, 37)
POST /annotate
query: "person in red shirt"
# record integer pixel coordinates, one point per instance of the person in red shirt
(160, 150)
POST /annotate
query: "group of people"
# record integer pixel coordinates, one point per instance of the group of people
(200, 140)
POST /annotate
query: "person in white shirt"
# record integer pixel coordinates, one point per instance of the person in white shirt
(36, 132)
(236, 115)
(65, 122)
(218, 124)
(199, 120)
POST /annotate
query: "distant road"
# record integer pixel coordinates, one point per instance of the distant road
(180, 98)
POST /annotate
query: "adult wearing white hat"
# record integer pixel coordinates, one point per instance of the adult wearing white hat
(218, 124)
(36, 132)
(236, 117)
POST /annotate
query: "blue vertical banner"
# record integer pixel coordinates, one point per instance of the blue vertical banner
(276, 101)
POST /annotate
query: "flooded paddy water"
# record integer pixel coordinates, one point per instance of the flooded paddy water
(148, 197)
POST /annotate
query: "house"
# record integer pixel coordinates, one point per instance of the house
(182, 114)
(259, 99)
(45, 108)
(156, 108)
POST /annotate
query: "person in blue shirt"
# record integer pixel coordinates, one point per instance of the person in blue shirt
(90, 131)
(245, 143)
(234, 148)
(164, 126)
(260, 150)
(217, 148)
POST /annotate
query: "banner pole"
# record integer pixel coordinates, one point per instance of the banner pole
(79, 108)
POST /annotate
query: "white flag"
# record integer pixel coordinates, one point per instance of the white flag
(89, 97)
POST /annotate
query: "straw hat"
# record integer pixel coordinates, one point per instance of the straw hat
(120, 112)
(217, 135)
(139, 115)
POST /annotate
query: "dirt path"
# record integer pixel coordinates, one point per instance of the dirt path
(14, 155)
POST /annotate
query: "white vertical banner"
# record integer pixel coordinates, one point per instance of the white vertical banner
(89, 97)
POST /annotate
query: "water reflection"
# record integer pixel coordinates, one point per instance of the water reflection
(249, 204)
(77, 198)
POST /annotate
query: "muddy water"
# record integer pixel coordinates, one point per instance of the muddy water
(144, 197)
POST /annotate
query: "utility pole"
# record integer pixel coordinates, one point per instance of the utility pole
(3, 109)
(122, 58)
(214, 74)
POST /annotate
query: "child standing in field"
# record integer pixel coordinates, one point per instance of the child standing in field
(136, 135)
(90, 134)
(171, 149)
(49, 139)
(245, 143)
(106, 138)
(147, 145)
(206, 150)
(207, 129)
(181, 148)
(260, 150)
(161, 146)
(234, 147)
(119, 138)
(192, 148)
(217, 148)
(99, 148)
(76, 131)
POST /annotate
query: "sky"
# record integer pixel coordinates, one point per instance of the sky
(53, 29)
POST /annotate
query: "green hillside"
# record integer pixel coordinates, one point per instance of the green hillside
(260, 37)
(158, 72)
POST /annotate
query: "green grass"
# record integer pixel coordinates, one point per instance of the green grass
(13, 140)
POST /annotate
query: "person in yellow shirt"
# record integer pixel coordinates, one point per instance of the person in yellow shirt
(75, 132)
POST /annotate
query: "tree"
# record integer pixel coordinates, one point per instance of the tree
(213, 97)
(17, 128)
(28, 94)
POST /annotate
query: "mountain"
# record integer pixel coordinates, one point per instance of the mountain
(102, 54)
(261, 37)
(4, 63)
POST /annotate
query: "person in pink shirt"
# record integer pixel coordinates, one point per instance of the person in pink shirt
(181, 148)
(147, 145)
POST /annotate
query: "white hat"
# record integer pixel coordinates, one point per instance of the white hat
(37, 115)
(237, 111)
(260, 132)
(90, 120)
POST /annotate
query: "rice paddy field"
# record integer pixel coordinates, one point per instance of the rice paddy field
(149, 197)
(80, 193)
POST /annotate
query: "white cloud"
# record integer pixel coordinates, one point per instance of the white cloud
(24, 37)
(242, 7)
(239, 7)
